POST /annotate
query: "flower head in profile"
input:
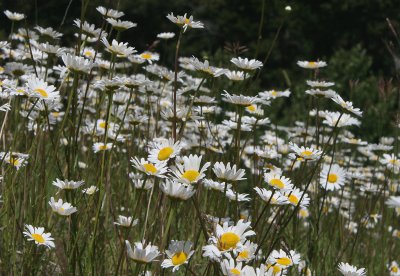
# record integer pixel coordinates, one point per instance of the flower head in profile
(120, 25)
(185, 22)
(142, 253)
(350, 270)
(158, 169)
(311, 64)
(305, 153)
(37, 234)
(67, 184)
(62, 208)
(228, 172)
(177, 190)
(77, 64)
(247, 64)
(38, 88)
(110, 12)
(178, 253)
(120, 49)
(126, 221)
(167, 35)
(14, 16)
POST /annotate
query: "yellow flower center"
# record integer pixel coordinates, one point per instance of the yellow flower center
(235, 271)
(251, 108)
(306, 153)
(277, 183)
(275, 269)
(146, 56)
(228, 240)
(88, 53)
(55, 114)
(244, 254)
(38, 237)
(103, 147)
(20, 90)
(393, 161)
(312, 64)
(394, 269)
(191, 175)
(42, 92)
(179, 258)
(303, 213)
(102, 125)
(14, 161)
(284, 261)
(150, 168)
(165, 153)
(332, 178)
(293, 199)
(187, 21)
(274, 93)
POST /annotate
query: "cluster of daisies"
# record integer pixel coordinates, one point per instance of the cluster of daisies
(183, 143)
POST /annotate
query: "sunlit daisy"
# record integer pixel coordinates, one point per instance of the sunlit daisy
(157, 169)
(142, 253)
(311, 64)
(126, 221)
(297, 197)
(189, 170)
(278, 181)
(37, 234)
(332, 177)
(38, 88)
(246, 64)
(67, 184)
(177, 190)
(178, 253)
(228, 173)
(163, 149)
(62, 208)
(350, 270)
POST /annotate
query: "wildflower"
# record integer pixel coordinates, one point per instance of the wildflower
(306, 153)
(349, 270)
(311, 64)
(164, 149)
(275, 198)
(168, 35)
(177, 190)
(100, 146)
(178, 254)
(239, 99)
(190, 172)
(394, 269)
(235, 75)
(110, 12)
(227, 172)
(38, 88)
(284, 259)
(126, 221)
(67, 184)
(246, 64)
(77, 64)
(391, 161)
(37, 234)
(232, 237)
(230, 268)
(150, 57)
(91, 190)
(278, 181)
(320, 84)
(232, 195)
(273, 94)
(336, 119)
(184, 22)
(332, 177)
(157, 169)
(297, 197)
(14, 16)
(62, 208)
(120, 49)
(347, 105)
(120, 25)
(142, 253)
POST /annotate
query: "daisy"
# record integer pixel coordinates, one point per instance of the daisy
(332, 177)
(320, 84)
(67, 184)
(311, 64)
(205, 68)
(350, 270)
(214, 185)
(120, 49)
(89, 30)
(177, 190)
(246, 64)
(228, 173)
(91, 190)
(38, 88)
(278, 181)
(277, 197)
(239, 99)
(273, 94)
(190, 172)
(126, 221)
(139, 183)
(232, 195)
(246, 253)
(142, 253)
(306, 153)
(62, 208)
(50, 32)
(394, 269)
(232, 237)
(184, 22)
(235, 75)
(149, 56)
(329, 93)
(347, 105)
(120, 25)
(77, 64)
(100, 146)
(391, 161)
(178, 254)
(163, 149)
(332, 120)
(168, 35)
(294, 197)
(284, 259)
(37, 234)
(16, 161)
(157, 169)
(14, 16)
(230, 268)
(110, 12)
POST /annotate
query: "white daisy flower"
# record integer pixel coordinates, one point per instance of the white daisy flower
(62, 208)
(126, 221)
(278, 181)
(294, 196)
(37, 234)
(91, 190)
(306, 153)
(184, 22)
(120, 49)
(177, 190)
(110, 12)
(284, 259)
(158, 169)
(167, 35)
(332, 178)
(178, 254)
(189, 170)
(246, 64)
(38, 88)
(100, 146)
(350, 270)
(228, 173)
(120, 25)
(142, 253)
(311, 64)
(275, 198)
(14, 16)
(163, 149)
(67, 184)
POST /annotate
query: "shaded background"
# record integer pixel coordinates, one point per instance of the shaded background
(350, 35)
